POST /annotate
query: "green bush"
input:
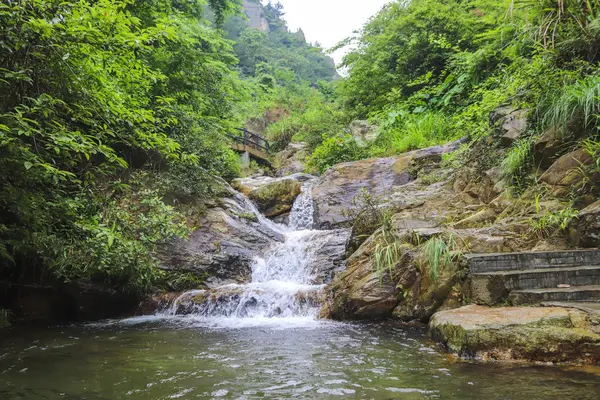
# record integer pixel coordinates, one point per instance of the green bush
(334, 150)
(403, 132)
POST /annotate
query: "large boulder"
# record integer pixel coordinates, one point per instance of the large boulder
(223, 246)
(272, 196)
(566, 172)
(292, 159)
(587, 226)
(525, 333)
(277, 197)
(361, 292)
(510, 124)
(363, 132)
(548, 148)
(327, 249)
(334, 191)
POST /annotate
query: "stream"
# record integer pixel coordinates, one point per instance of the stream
(262, 340)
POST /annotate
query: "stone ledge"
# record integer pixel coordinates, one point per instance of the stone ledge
(547, 334)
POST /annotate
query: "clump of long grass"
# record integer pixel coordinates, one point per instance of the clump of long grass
(5, 318)
(440, 252)
(577, 102)
(403, 132)
(387, 249)
(553, 222)
(517, 162)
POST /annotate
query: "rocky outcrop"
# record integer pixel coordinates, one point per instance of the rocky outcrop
(360, 292)
(510, 124)
(587, 226)
(518, 333)
(566, 172)
(221, 249)
(363, 132)
(292, 159)
(334, 191)
(277, 197)
(327, 250)
(273, 196)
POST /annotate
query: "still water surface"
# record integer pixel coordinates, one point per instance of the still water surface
(191, 358)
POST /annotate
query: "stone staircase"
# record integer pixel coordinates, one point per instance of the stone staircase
(535, 277)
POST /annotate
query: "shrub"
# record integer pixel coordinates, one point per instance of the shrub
(334, 150)
(403, 132)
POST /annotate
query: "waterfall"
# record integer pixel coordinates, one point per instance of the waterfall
(286, 282)
(302, 216)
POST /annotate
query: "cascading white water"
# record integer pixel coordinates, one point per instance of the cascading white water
(302, 215)
(283, 278)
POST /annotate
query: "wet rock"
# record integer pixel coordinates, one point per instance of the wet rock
(566, 172)
(517, 333)
(587, 226)
(327, 250)
(363, 132)
(292, 160)
(481, 217)
(273, 196)
(222, 248)
(510, 124)
(276, 197)
(361, 292)
(333, 192)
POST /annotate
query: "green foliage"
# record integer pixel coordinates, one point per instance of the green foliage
(576, 104)
(402, 132)
(440, 252)
(388, 250)
(517, 163)
(334, 150)
(310, 122)
(287, 55)
(182, 281)
(429, 71)
(92, 94)
(553, 222)
(5, 316)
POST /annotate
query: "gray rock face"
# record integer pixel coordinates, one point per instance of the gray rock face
(510, 124)
(327, 248)
(333, 192)
(588, 225)
(222, 248)
(292, 159)
(363, 132)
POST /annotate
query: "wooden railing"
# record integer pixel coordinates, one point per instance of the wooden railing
(251, 140)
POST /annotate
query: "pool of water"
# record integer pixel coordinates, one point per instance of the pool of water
(190, 358)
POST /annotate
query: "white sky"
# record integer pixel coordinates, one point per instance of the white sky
(329, 21)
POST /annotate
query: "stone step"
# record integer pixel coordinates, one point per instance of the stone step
(543, 277)
(493, 262)
(591, 308)
(536, 296)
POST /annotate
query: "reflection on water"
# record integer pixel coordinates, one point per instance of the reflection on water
(190, 358)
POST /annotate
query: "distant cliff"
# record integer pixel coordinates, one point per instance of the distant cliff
(256, 16)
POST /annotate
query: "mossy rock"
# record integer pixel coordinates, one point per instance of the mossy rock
(547, 334)
(277, 197)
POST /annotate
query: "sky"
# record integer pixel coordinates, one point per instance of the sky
(329, 21)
